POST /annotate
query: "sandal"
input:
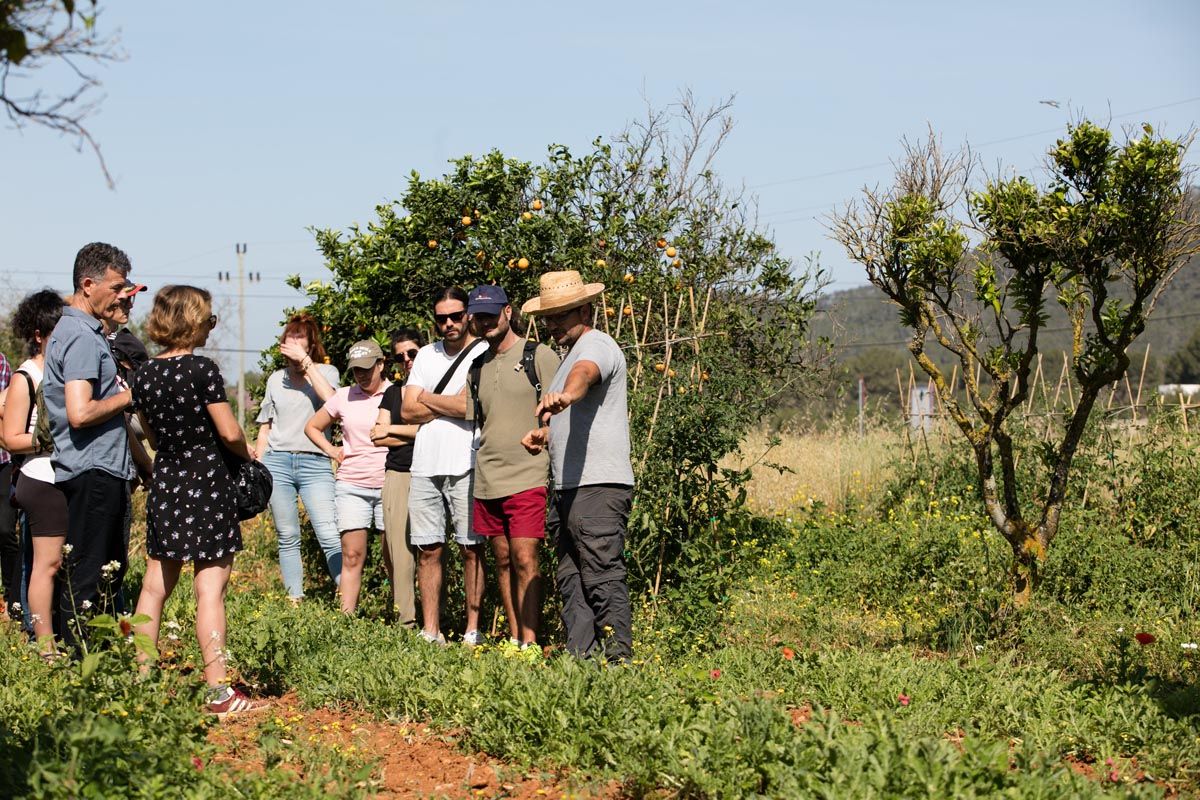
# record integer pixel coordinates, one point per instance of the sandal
(235, 703)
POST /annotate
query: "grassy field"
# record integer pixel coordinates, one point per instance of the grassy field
(863, 648)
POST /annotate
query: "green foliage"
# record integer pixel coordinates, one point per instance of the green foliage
(712, 319)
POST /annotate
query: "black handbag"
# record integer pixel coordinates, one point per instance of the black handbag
(252, 485)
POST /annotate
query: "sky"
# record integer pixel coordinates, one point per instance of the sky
(254, 122)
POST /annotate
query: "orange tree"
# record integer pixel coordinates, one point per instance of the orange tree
(713, 320)
(1102, 237)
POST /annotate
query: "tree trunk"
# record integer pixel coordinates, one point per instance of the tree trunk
(1029, 555)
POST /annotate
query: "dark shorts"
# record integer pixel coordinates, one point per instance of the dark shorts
(517, 516)
(44, 505)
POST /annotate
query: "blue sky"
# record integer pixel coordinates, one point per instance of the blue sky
(250, 122)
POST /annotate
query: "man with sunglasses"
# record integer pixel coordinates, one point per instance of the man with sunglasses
(442, 463)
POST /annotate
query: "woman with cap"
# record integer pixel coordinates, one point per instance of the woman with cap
(361, 465)
(300, 469)
(44, 505)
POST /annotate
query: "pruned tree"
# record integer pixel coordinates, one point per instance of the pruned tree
(973, 271)
(55, 36)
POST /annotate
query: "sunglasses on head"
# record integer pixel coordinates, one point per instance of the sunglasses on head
(454, 316)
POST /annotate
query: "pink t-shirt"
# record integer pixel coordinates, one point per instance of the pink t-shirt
(363, 463)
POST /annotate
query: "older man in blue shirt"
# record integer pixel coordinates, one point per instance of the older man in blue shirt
(85, 402)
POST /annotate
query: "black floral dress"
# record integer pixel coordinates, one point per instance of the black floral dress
(191, 512)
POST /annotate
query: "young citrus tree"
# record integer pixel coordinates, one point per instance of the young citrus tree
(712, 318)
(1102, 236)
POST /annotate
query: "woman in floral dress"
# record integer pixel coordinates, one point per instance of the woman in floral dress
(191, 510)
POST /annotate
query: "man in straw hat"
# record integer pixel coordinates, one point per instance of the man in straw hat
(585, 424)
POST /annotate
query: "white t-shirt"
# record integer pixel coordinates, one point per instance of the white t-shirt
(37, 467)
(444, 446)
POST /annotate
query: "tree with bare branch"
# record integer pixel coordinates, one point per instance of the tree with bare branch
(61, 41)
(973, 271)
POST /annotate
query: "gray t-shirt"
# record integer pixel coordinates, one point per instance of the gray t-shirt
(589, 442)
(78, 351)
(289, 406)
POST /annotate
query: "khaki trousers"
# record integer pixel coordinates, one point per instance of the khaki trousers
(396, 540)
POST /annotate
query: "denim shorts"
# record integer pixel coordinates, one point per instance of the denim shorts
(358, 507)
(429, 500)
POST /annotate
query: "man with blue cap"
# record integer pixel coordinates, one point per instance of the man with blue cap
(504, 386)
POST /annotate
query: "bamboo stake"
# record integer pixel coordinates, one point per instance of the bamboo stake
(1183, 412)
(637, 373)
(1037, 373)
(1142, 376)
(604, 312)
(1132, 404)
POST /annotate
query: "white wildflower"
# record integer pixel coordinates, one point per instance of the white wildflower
(86, 605)
(67, 549)
(978, 648)
(1190, 646)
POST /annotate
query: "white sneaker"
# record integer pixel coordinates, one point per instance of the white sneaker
(472, 639)
(433, 638)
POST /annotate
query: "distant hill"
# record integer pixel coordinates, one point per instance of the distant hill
(869, 340)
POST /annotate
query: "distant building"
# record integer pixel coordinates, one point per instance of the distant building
(1176, 389)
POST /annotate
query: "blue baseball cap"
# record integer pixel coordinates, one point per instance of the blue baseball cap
(486, 299)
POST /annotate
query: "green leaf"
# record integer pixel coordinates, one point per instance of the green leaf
(89, 664)
(145, 644)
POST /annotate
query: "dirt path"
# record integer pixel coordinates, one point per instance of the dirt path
(410, 759)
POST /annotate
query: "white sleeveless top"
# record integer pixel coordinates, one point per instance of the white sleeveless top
(37, 467)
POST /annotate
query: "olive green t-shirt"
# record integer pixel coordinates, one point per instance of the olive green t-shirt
(502, 466)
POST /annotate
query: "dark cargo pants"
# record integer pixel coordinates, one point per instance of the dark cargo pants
(588, 527)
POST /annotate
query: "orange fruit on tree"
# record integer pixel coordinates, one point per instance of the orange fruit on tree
(660, 367)
(703, 376)
(661, 243)
(601, 263)
(602, 244)
(671, 252)
(433, 244)
(480, 256)
(512, 262)
(467, 220)
(523, 263)
(628, 277)
(536, 205)
(527, 215)
(670, 373)
(677, 263)
(610, 312)
(627, 311)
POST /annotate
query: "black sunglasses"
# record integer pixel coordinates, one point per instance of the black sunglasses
(454, 316)
(409, 354)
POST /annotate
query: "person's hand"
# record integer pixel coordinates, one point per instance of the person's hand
(553, 403)
(534, 441)
(338, 455)
(293, 352)
(379, 431)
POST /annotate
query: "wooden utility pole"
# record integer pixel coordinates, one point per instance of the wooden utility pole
(242, 277)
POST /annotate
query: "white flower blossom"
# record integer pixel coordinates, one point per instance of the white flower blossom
(16, 606)
(978, 648)
(1190, 646)
(35, 618)
(67, 549)
(86, 605)
(1121, 629)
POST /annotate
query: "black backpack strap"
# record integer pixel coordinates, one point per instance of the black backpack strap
(530, 366)
(446, 377)
(32, 398)
(474, 374)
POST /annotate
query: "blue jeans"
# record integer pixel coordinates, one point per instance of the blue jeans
(310, 476)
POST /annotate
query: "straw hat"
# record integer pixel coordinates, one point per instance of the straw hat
(561, 291)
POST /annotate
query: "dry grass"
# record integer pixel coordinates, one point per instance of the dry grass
(828, 467)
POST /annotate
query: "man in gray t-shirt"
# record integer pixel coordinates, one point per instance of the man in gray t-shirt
(586, 426)
(86, 403)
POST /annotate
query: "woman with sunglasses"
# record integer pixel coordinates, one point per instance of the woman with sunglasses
(391, 432)
(299, 468)
(191, 509)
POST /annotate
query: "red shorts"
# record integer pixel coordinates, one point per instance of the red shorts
(518, 516)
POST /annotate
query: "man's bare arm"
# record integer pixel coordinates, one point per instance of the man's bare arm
(413, 411)
(84, 411)
(446, 405)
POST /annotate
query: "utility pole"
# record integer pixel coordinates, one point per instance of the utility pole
(242, 277)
